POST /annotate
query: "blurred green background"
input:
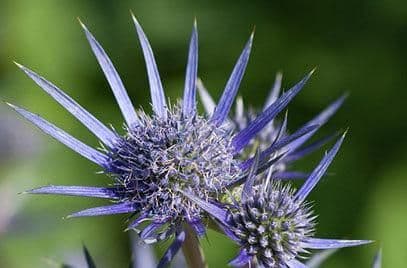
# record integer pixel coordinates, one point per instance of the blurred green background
(357, 46)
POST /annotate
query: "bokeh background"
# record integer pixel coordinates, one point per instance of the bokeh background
(357, 46)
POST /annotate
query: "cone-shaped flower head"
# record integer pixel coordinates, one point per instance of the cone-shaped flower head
(270, 223)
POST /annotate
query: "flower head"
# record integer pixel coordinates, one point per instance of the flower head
(172, 151)
(272, 223)
(160, 156)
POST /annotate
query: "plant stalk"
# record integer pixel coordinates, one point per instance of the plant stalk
(192, 250)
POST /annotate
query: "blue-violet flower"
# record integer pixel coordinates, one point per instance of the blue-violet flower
(172, 151)
(272, 223)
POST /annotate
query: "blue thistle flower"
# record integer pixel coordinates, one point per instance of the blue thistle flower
(272, 223)
(274, 131)
(172, 151)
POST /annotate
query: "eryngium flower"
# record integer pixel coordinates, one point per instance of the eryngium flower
(172, 151)
(243, 116)
(272, 223)
(273, 131)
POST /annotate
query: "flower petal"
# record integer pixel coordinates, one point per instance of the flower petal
(296, 264)
(320, 120)
(319, 258)
(149, 232)
(113, 79)
(282, 130)
(212, 209)
(241, 260)
(104, 134)
(319, 171)
(206, 99)
(222, 109)
(264, 166)
(141, 218)
(377, 261)
(89, 260)
(142, 255)
(244, 136)
(321, 243)
(248, 185)
(99, 192)
(172, 250)
(289, 175)
(76, 145)
(156, 88)
(288, 141)
(228, 232)
(275, 91)
(328, 112)
(300, 153)
(239, 111)
(282, 143)
(198, 227)
(160, 236)
(120, 208)
(189, 99)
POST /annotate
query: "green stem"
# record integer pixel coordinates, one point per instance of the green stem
(192, 250)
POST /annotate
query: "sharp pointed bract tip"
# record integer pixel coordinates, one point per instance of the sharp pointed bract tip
(18, 64)
(70, 216)
(135, 19)
(81, 23)
(253, 31)
(11, 105)
(365, 242)
(251, 37)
